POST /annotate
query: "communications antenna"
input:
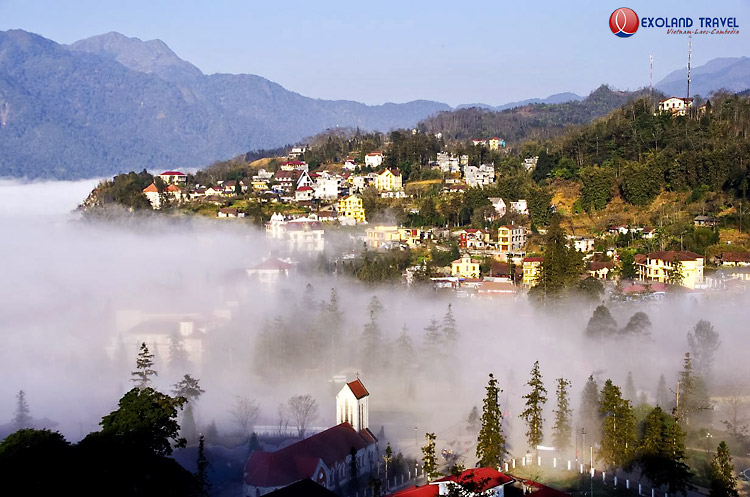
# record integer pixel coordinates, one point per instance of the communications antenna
(690, 53)
(650, 75)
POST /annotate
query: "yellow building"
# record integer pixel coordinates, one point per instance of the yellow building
(260, 186)
(380, 236)
(494, 143)
(660, 266)
(389, 180)
(466, 267)
(511, 239)
(532, 267)
(351, 207)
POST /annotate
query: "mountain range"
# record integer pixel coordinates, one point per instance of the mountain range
(110, 103)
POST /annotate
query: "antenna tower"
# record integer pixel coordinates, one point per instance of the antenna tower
(650, 75)
(690, 53)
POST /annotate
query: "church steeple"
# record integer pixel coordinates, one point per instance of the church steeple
(351, 405)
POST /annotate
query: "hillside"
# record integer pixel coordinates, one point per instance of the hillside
(535, 121)
(112, 104)
(729, 73)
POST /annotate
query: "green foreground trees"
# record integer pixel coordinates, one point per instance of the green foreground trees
(491, 441)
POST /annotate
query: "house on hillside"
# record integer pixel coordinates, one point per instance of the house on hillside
(324, 457)
(465, 267)
(374, 159)
(230, 212)
(676, 106)
(532, 267)
(388, 180)
(173, 178)
(660, 267)
(511, 239)
(479, 176)
(351, 208)
(296, 235)
(271, 271)
(499, 205)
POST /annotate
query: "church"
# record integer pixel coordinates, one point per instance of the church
(324, 457)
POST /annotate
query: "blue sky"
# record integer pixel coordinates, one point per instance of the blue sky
(455, 52)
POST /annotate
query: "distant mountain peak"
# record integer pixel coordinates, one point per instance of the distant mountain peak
(151, 57)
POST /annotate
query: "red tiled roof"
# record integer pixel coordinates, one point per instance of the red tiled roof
(173, 188)
(358, 389)
(735, 257)
(598, 265)
(484, 478)
(304, 189)
(299, 460)
(294, 163)
(274, 264)
(640, 258)
(151, 188)
(497, 287)
(533, 259)
(641, 288)
(172, 173)
(672, 255)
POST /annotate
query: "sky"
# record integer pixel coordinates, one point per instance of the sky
(374, 52)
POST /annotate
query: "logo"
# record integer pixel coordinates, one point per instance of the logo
(623, 22)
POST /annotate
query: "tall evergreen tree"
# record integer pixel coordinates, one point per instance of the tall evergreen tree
(723, 482)
(433, 339)
(189, 389)
(663, 399)
(535, 401)
(22, 417)
(639, 325)
(703, 341)
(372, 344)
(692, 395)
(661, 452)
(618, 427)
(561, 267)
(588, 412)
(563, 428)
(472, 421)
(144, 368)
(630, 393)
(178, 356)
(491, 441)
(201, 475)
(403, 352)
(450, 333)
(429, 460)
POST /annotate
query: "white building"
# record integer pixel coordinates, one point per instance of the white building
(530, 163)
(327, 188)
(374, 159)
(520, 207)
(479, 176)
(499, 205)
(297, 235)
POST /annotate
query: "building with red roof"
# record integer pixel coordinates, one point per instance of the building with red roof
(325, 457)
(471, 482)
(173, 178)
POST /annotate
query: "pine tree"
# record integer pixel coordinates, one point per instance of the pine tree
(144, 365)
(630, 393)
(22, 418)
(429, 461)
(472, 421)
(201, 475)
(692, 394)
(372, 343)
(178, 356)
(491, 442)
(403, 352)
(535, 401)
(703, 341)
(189, 388)
(563, 428)
(638, 325)
(450, 333)
(661, 452)
(723, 482)
(618, 427)
(432, 337)
(663, 399)
(588, 413)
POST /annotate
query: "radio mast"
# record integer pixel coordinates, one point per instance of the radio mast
(690, 53)
(650, 75)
